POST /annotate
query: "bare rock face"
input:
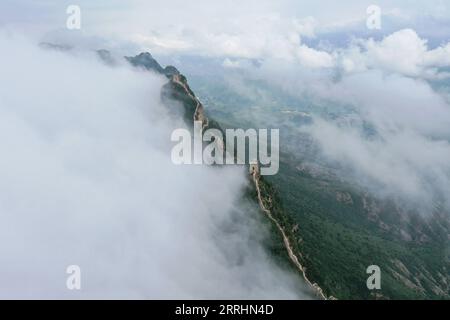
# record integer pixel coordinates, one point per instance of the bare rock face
(145, 60)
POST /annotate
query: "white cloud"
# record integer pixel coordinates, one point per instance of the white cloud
(402, 52)
(408, 156)
(86, 178)
(403, 165)
(312, 58)
(255, 29)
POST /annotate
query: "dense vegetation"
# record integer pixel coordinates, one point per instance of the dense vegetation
(339, 242)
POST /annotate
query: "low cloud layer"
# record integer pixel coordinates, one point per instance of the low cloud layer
(86, 179)
(387, 122)
(406, 152)
(304, 32)
(401, 52)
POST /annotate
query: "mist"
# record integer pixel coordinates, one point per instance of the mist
(406, 155)
(86, 179)
(385, 131)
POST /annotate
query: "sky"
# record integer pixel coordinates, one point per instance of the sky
(412, 37)
(235, 28)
